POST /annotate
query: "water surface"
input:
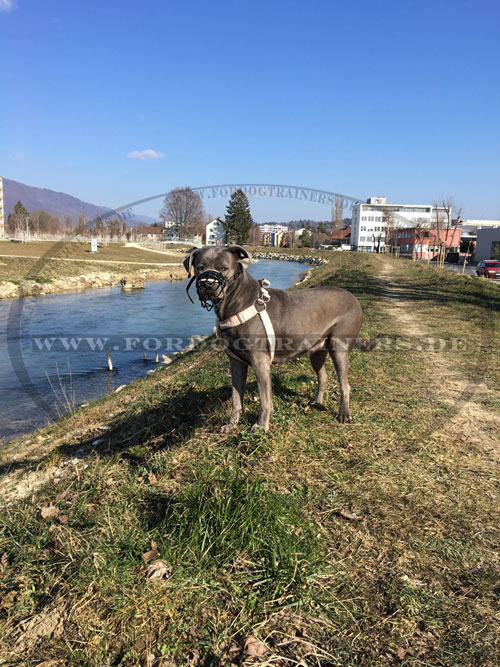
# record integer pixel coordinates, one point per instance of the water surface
(53, 347)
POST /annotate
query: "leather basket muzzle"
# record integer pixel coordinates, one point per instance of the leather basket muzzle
(210, 287)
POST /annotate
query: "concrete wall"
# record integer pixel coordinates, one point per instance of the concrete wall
(485, 240)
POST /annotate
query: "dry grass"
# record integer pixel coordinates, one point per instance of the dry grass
(364, 544)
(46, 261)
(116, 252)
(17, 269)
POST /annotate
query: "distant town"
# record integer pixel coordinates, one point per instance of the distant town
(420, 231)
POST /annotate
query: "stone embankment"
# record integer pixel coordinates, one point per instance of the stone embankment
(303, 259)
(10, 290)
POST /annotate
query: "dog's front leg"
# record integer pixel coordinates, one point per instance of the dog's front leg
(262, 369)
(239, 372)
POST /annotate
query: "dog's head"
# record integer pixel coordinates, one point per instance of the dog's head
(215, 271)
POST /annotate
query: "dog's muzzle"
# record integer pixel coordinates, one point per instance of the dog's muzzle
(210, 288)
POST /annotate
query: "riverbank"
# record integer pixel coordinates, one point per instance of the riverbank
(37, 268)
(40, 275)
(41, 286)
(313, 259)
(146, 536)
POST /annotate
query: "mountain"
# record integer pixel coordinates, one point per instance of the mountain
(56, 202)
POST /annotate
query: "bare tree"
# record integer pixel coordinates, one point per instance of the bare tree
(81, 225)
(390, 224)
(184, 207)
(68, 223)
(113, 227)
(442, 223)
(35, 222)
(421, 232)
(377, 240)
(255, 235)
(338, 220)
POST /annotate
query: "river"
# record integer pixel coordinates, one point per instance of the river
(53, 348)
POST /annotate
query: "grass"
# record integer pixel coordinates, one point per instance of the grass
(363, 544)
(41, 260)
(18, 269)
(116, 252)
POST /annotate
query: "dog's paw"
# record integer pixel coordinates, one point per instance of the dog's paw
(260, 427)
(317, 406)
(227, 428)
(344, 418)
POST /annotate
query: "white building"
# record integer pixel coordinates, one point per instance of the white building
(215, 233)
(271, 233)
(370, 220)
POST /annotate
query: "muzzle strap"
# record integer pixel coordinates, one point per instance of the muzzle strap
(188, 286)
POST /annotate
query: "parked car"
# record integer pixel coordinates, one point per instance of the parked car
(489, 268)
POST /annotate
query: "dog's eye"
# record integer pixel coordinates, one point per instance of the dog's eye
(224, 268)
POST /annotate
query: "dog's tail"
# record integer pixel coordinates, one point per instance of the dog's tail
(368, 345)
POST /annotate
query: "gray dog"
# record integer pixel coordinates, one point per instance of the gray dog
(259, 327)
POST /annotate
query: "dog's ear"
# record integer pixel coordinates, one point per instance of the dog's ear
(189, 259)
(241, 252)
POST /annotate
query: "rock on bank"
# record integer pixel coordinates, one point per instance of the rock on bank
(28, 287)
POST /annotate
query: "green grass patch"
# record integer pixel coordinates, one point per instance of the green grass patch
(368, 543)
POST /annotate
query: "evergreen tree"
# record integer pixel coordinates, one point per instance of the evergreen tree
(20, 210)
(238, 218)
(306, 239)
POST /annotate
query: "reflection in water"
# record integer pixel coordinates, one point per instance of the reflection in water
(63, 340)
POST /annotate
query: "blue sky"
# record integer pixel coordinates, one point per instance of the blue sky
(363, 98)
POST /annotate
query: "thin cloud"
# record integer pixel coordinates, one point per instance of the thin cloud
(148, 154)
(6, 5)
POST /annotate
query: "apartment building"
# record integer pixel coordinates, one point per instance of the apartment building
(271, 234)
(425, 243)
(371, 221)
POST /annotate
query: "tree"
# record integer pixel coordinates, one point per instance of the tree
(305, 239)
(184, 208)
(390, 224)
(18, 220)
(255, 235)
(338, 221)
(45, 222)
(81, 225)
(68, 223)
(442, 223)
(238, 218)
(421, 233)
(377, 240)
(98, 227)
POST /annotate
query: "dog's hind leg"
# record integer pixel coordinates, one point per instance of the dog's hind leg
(318, 359)
(340, 359)
(239, 371)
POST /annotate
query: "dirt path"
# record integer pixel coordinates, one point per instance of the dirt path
(468, 423)
(142, 247)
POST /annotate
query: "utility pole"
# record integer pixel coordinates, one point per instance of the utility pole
(2, 220)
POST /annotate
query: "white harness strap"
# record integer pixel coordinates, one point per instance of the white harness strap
(268, 326)
(239, 318)
(251, 311)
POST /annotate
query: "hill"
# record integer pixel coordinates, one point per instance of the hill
(34, 198)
